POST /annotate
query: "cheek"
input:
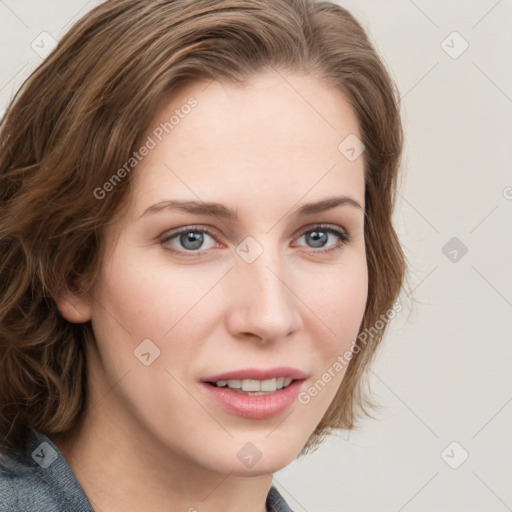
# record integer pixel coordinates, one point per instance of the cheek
(147, 297)
(338, 301)
(350, 303)
(339, 304)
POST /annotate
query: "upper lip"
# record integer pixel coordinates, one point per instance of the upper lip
(258, 374)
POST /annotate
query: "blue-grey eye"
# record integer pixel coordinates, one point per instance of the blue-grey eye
(319, 237)
(190, 240)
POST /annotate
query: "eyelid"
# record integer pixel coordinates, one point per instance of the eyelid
(200, 228)
(319, 226)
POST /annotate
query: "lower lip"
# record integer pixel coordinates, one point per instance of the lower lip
(255, 407)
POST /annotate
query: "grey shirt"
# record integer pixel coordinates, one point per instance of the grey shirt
(42, 481)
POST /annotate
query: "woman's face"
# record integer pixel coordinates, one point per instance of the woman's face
(219, 272)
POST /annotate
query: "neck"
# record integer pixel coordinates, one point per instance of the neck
(119, 473)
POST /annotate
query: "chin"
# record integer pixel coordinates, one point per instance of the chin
(258, 457)
(266, 465)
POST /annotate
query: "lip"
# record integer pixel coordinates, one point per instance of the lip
(255, 406)
(259, 374)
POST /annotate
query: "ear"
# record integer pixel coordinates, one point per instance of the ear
(75, 308)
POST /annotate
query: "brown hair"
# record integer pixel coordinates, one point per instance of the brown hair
(80, 116)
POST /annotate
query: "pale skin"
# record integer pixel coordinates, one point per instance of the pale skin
(151, 440)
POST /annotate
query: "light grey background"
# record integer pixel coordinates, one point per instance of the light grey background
(443, 373)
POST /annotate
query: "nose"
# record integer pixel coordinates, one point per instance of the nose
(263, 305)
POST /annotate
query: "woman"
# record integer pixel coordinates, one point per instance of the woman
(197, 253)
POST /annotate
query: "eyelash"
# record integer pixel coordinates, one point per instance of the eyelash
(343, 239)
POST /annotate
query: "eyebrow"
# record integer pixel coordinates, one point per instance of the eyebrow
(219, 210)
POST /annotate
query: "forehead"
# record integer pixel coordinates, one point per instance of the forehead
(277, 135)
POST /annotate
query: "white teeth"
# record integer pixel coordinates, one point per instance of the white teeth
(252, 385)
(269, 385)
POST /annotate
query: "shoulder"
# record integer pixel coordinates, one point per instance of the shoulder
(40, 479)
(275, 502)
(13, 475)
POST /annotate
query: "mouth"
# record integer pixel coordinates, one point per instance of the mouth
(253, 387)
(255, 393)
